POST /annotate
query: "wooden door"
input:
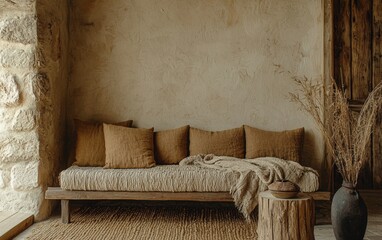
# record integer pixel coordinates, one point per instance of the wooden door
(357, 30)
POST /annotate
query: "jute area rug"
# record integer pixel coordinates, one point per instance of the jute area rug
(148, 223)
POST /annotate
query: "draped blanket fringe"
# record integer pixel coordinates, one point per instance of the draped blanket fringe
(254, 175)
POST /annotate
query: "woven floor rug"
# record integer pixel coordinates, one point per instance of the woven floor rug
(148, 223)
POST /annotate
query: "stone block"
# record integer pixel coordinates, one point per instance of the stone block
(24, 176)
(28, 201)
(6, 116)
(17, 58)
(24, 120)
(17, 4)
(19, 29)
(2, 179)
(38, 86)
(9, 90)
(23, 2)
(24, 147)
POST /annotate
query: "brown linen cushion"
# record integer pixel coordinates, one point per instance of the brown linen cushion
(90, 143)
(171, 146)
(285, 145)
(221, 143)
(128, 147)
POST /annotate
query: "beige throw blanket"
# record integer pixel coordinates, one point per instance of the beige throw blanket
(254, 176)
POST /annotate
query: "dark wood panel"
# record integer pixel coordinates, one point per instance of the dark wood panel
(377, 42)
(365, 178)
(358, 59)
(377, 154)
(342, 44)
(377, 78)
(361, 48)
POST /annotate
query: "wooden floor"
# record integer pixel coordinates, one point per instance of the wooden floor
(12, 223)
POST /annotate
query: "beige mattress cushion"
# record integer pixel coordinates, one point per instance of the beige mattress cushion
(164, 178)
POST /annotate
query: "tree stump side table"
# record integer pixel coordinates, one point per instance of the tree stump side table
(285, 218)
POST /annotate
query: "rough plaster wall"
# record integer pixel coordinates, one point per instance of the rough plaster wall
(52, 86)
(33, 74)
(213, 64)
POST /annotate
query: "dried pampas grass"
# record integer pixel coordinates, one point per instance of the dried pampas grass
(346, 135)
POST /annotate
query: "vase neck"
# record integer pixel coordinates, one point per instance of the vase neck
(348, 185)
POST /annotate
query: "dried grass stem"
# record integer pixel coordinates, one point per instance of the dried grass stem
(346, 135)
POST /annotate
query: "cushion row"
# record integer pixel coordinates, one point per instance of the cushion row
(119, 146)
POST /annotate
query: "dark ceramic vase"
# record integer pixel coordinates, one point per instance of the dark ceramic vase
(349, 213)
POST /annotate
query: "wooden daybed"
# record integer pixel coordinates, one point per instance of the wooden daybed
(56, 193)
(180, 182)
(159, 183)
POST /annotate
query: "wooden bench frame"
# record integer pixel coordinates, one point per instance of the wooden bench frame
(56, 193)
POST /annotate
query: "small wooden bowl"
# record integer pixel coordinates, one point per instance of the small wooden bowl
(284, 195)
(284, 189)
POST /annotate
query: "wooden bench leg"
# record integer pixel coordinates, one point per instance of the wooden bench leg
(65, 211)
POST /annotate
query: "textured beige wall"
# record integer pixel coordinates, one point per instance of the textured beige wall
(53, 67)
(212, 64)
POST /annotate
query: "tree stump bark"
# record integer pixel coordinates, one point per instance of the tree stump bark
(285, 218)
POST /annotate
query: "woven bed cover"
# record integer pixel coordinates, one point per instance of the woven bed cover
(161, 178)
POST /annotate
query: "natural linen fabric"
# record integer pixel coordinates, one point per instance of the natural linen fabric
(243, 178)
(285, 145)
(229, 142)
(171, 146)
(254, 176)
(90, 143)
(161, 178)
(128, 147)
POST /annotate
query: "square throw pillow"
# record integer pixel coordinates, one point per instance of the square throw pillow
(128, 147)
(285, 145)
(171, 146)
(221, 143)
(90, 143)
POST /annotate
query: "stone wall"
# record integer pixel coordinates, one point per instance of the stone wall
(19, 145)
(32, 90)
